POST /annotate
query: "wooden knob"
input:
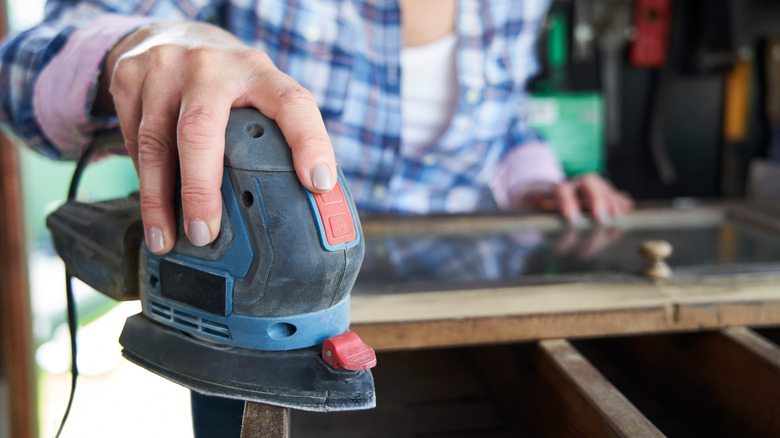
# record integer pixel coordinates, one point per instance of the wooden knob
(654, 252)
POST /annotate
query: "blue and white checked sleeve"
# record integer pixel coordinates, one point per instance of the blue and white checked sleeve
(24, 56)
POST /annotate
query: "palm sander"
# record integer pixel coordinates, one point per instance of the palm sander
(260, 314)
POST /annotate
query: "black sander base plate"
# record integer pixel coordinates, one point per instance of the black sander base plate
(297, 379)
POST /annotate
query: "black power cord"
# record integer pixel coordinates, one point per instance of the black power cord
(101, 142)
(72, 325)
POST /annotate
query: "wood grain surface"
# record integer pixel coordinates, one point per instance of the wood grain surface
(265, 421)
(594, 407)
(15, 330)
(15, 327)
(525, 313)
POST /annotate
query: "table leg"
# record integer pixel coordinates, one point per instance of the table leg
(265, 421)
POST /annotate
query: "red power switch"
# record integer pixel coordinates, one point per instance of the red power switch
(348, 351)
(652, 21)
(336, 216)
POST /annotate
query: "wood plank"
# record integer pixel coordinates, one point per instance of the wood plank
(755, 344)
(523, 313)
(765, 215)
(648, 218)
(562, 298)
(658, 411)
(15, 327)
(265, 421)
(592, 404)
(716, 382)
(534, 395)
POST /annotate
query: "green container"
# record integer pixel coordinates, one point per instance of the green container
(573, 125)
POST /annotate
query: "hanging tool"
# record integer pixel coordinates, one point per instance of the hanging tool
(736, 107)
(763, 173)
(649, 49)
(657, 131)
(251, 315)
(611, 19)
(557, 51)
(772, 70)
(652, 23)
(583, 33)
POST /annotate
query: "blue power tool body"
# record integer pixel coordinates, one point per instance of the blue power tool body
(260, 314)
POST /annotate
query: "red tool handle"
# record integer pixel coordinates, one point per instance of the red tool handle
(652, 21)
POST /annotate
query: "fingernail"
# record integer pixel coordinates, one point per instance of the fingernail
(199, 233)
(154, 239)
(603, 217)
(320, 177)
(575, 218)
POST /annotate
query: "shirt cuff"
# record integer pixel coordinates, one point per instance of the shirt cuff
(66, 87)
(531, 163)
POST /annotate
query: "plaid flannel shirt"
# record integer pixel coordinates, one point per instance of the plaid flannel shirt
(347, 53)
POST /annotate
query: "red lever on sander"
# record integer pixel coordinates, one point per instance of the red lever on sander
(348, 351)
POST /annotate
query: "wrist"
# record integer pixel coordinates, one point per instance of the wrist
(104, 102)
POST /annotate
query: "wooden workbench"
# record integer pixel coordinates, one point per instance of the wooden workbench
(573, 305)
(604, 353)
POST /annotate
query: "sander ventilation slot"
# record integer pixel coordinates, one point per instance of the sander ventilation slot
(188, 321)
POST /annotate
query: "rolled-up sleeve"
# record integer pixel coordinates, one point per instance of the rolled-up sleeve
(528, 160)
(49, 73)
(66, 88)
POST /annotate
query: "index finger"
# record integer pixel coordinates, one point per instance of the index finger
(295, 111)
(591, 188)
(567, 202)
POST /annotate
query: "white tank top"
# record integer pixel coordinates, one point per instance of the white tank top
(429, 92)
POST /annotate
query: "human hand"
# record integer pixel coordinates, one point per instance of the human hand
(587, 244)
(172, 87)
(588, 192)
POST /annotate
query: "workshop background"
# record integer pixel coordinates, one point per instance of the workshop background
(688, 92)
(674, 101)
